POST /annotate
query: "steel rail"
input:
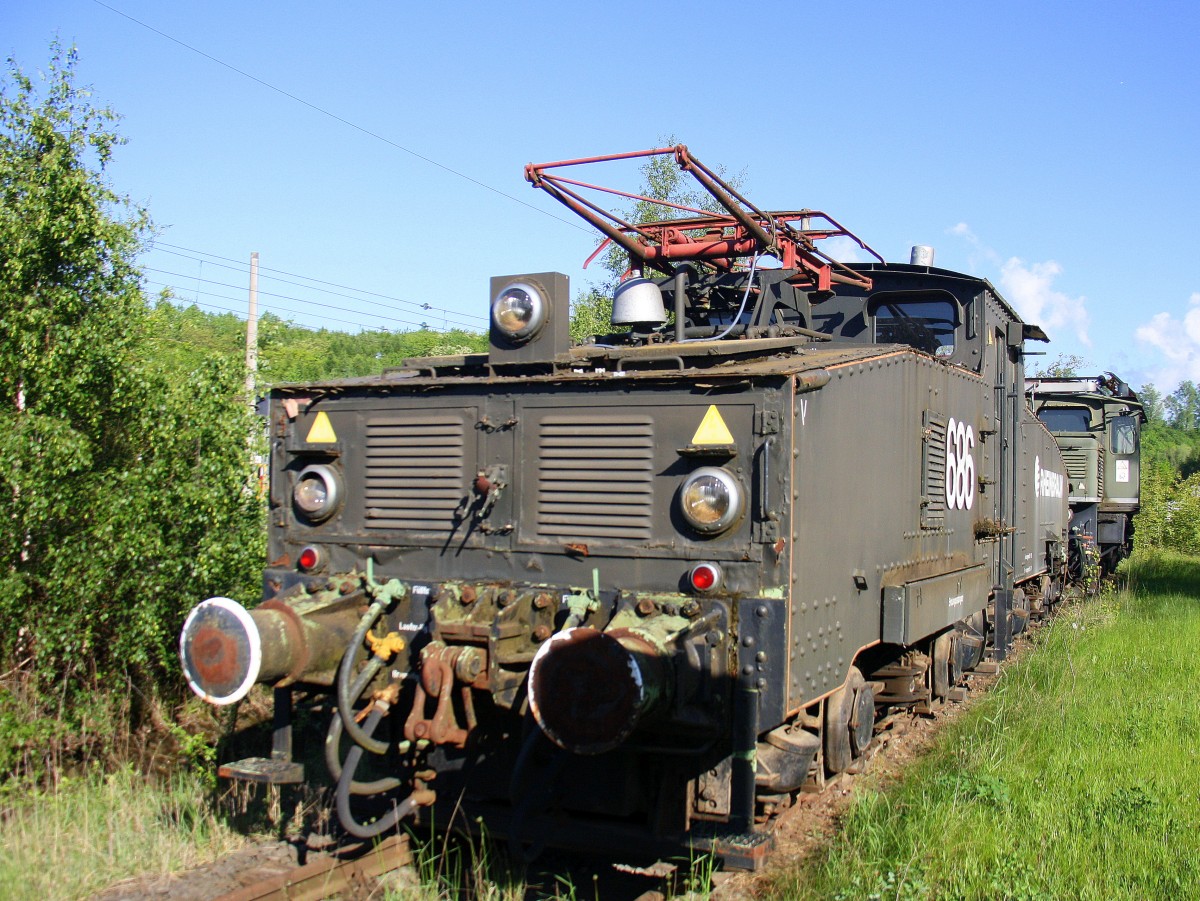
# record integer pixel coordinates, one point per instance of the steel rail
(330, 877)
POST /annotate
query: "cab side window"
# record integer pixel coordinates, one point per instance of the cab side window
(927, 324)
(1124, 432)
(1066, 419)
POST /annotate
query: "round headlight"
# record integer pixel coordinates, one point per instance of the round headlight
(519, 312)
(711, 500)
(317, 493)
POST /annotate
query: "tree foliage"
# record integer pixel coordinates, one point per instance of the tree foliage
(1152, 403)
(1170, 509)
(129, 486)
(1182, 406)
(1064, 366)
(182, 337)
(1170, 487)
(1177, 448)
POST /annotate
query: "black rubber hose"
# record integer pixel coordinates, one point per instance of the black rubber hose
(334, 736)
(344, 686)
(389, 819)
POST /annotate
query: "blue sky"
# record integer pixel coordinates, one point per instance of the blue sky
(1052, 148)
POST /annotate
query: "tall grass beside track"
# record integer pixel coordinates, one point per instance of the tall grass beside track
(87, 832)
(1078, 776)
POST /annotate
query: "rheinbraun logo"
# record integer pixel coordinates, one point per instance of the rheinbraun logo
(1046, 483)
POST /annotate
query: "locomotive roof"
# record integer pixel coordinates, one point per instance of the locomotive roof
(1093, 387)
(749, 358)
(949, 275)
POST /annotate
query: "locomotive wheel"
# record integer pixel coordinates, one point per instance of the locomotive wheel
(839, 711)
(1048, 596)
(1018, 617)
(940, 670)
(862, 722)
(1053, 591)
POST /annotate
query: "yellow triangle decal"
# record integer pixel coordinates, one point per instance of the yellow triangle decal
(321, 431)
(712, 429)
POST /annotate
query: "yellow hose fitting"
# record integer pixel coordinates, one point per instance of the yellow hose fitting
(384, 648)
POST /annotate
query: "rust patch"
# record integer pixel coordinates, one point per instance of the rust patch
(215, 657)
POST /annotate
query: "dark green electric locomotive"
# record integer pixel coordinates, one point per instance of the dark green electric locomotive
(1097, 423)
(635, 593)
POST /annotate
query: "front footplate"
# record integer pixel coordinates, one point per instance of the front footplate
(737, 850)
(263, 769)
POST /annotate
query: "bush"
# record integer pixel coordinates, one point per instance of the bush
(131, 493)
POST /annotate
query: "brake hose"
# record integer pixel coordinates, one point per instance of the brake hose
(344, 699)
(346, 781)
(334, 737)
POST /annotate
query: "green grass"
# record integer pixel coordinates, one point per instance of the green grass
(1077, 777)
(448, 866)
(92, 831)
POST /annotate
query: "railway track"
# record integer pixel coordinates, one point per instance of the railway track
(358, 878)
(348, 878)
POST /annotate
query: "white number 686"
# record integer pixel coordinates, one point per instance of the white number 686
(960, 465)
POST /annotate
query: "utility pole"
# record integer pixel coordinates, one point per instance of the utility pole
(259, 428)
(252, 332)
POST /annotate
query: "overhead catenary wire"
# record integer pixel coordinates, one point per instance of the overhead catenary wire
(445, 315)
(337, 118)
(240, 314)
(239, 310)
(290, 297)
(237, 265)
(321, 324)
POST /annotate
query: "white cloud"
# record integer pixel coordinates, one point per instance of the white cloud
(844, 250)
(982, 254)
(1178, 343)
(1030, 288)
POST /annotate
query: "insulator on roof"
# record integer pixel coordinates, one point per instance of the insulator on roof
(638, 301)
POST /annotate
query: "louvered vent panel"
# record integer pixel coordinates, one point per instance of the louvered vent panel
(595, 476)
(1076, 459)
(933, 505)
(415, 473)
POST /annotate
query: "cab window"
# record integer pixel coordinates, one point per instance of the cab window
(1124, 431)
(927, 324)
(1066, 419)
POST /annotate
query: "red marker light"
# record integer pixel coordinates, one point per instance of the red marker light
(705, 577)
(310, 559)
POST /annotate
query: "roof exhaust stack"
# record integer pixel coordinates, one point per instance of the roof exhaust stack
(922, 255)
